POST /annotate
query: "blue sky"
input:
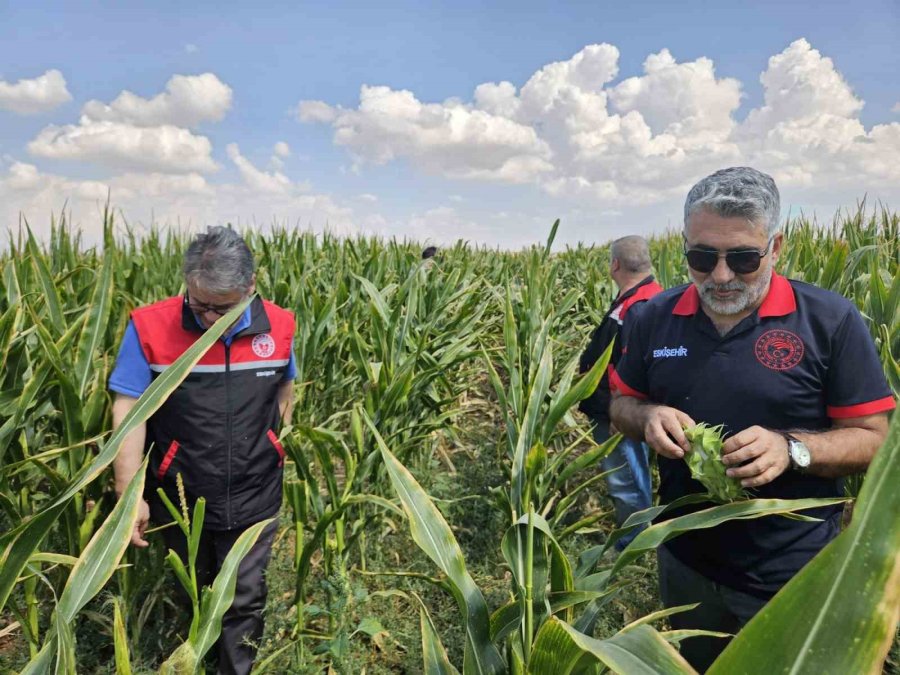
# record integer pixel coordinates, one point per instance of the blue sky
(451, 165)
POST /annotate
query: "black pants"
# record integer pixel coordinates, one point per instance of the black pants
(242, 625)
(721, 608)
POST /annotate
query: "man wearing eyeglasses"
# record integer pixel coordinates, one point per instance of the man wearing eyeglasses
(217, 430)
(791, 372)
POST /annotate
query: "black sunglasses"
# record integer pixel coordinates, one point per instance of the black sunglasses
(200, 308)
(741, 261)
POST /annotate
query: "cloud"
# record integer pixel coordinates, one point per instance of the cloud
(27, 97)
(449, 138)
(576, 133)
(282, 149)
(685, 100)
(187, 201)
(136, 134)
(124, 146)
(367, 197)
(896, 108)
(191, 48)
(187, 101)
(258, 180)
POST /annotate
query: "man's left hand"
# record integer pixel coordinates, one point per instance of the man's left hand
(765, 451)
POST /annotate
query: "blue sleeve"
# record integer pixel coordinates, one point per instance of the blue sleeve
(131, 375)
(290, 373)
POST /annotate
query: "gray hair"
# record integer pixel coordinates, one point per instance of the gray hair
(737, 192)
(219, 261)
(633, 252)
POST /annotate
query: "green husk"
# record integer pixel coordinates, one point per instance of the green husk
(705, 462)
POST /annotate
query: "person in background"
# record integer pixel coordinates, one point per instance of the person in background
(217, 430)
(629, 483)
(789, 369)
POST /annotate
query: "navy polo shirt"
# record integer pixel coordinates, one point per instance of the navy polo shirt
(804, 358)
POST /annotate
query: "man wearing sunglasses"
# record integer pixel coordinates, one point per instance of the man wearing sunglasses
(218, 429)
(789, 369)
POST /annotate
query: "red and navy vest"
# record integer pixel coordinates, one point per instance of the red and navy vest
(217, 429)
(596, 406)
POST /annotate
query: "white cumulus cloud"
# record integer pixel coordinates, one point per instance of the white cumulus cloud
(256, 179)
(27, 97)
(575, 132)
(187, 101)
(137, 134)
(186, 201)
(282, 149)
(449, 137)
(119, 145)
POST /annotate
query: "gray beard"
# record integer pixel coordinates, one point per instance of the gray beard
(748, 295)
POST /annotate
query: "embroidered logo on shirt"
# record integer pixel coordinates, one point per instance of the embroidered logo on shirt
(779, 349)
(263, 345)
(669, 352)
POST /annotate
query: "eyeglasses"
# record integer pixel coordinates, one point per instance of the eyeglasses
(201, 308)
(741, 261)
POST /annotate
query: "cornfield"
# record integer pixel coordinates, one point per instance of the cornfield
(443, 507)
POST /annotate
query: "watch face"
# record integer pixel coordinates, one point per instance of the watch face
(800, 454)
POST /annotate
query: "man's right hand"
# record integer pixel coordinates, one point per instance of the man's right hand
(140, 526)
(664, 431)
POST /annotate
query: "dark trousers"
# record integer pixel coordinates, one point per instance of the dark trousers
(721, 608)
(242, 625)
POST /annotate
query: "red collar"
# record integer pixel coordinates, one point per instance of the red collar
(779, 301)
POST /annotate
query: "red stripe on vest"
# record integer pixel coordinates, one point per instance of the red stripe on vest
(645, 292)
(167, 460)
(278, 446)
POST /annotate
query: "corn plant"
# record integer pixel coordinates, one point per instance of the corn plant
(97, 562)
(378, 335)
(555, 644)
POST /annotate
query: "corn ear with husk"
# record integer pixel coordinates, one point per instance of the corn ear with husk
(705, 462)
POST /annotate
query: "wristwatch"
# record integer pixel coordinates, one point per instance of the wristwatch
(798, 453)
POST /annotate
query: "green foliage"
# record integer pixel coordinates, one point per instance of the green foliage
(467, 361)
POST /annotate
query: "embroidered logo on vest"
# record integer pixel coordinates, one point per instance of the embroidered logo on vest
(263, 345)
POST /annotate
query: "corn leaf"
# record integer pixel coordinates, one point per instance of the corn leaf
(48, 288)
(91, 571)
(559, 648)
(434, 536)
(91, 338)
(585, 386)
(434, 656)
(219, 598)
(653, 536)
(120, 640)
